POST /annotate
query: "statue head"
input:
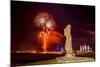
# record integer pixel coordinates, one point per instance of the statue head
(67, 30)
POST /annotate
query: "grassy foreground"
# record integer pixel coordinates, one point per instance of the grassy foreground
(63, 60)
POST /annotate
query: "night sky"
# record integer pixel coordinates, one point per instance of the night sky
(24, 32)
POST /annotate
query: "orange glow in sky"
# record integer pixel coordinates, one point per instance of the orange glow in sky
(49, 38)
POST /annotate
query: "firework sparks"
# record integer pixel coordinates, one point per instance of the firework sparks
(40, 19)
(45, 21)
(50, 24)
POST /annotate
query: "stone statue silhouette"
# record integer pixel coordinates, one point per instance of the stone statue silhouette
(68, 43)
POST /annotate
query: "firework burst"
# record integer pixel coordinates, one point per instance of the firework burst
(44, 20)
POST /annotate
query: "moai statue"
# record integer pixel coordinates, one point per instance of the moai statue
(80, 48)
(68, 43)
